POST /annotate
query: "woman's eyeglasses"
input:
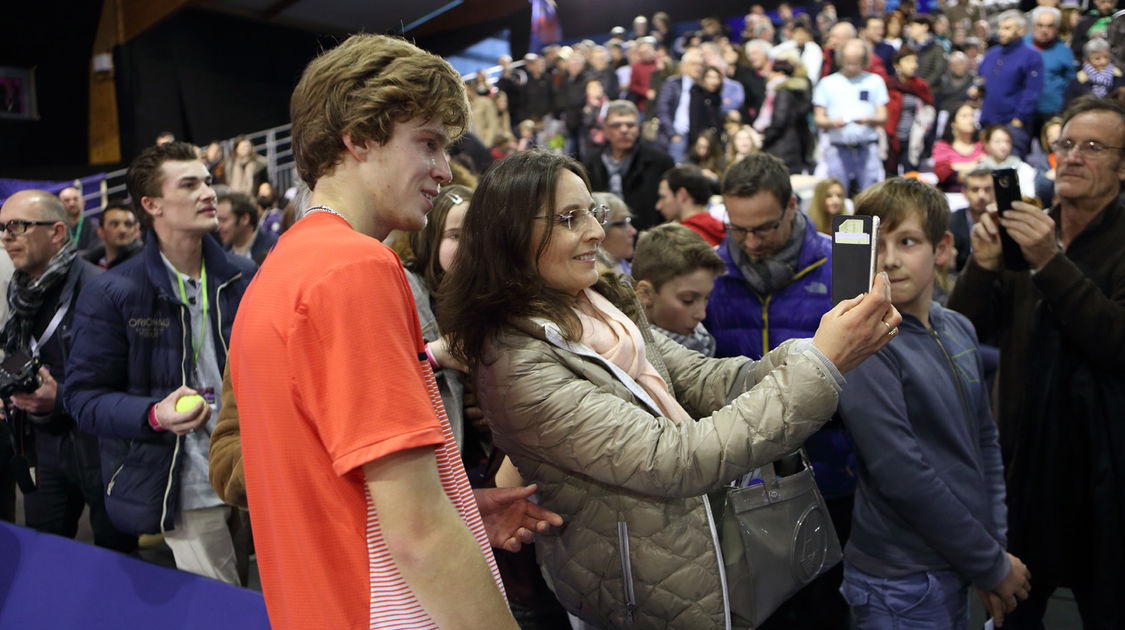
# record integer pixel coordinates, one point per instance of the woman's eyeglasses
(573, 219)
(621, 223)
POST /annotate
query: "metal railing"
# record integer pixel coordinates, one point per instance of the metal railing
(275, 144)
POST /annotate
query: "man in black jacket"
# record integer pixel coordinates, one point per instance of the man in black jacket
(628, 167)
(49, 275)
(1061, 382)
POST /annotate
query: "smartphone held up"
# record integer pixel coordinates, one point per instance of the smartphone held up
(855, 248)
(1006, 185)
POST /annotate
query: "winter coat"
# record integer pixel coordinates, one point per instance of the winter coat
(132, 347)
(639, 183)
(704, 112)
(745, 323)
(639, 547)
(788, 135)
(924, 116)
(1061, 399)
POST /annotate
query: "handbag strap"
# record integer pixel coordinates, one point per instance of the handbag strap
(770, 480)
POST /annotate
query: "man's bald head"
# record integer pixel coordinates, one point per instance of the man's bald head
(853, 57)
(47, 206)
(72, 200)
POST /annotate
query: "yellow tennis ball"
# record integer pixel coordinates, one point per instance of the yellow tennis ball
(189, 402)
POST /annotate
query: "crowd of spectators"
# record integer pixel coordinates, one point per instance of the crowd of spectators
(900, 76)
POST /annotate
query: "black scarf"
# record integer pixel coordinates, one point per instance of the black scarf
(25, 298)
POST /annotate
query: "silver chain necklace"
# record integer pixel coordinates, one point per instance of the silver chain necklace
(328, 210)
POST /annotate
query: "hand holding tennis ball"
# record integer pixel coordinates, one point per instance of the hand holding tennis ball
(181, 412)
(189, 402)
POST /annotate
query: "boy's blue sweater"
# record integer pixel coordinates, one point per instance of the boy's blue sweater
(931, 483)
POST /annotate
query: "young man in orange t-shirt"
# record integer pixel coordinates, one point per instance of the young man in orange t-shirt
(362, 513)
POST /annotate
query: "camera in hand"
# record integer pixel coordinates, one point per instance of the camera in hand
(19, 374)
(1006, 184)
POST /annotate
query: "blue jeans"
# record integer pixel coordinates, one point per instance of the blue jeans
(860, 162)
(678, 149)
(921, 601)
(1021, 140)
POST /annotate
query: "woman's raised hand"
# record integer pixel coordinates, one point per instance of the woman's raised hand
(857, 328)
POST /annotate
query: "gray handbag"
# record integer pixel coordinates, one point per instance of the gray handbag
(776, 537)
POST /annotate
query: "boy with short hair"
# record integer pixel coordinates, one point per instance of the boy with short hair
(929, 515)
(684, 192)
(675, 270)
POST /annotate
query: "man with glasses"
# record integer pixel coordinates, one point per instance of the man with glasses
(49, 275)
(776, 287)
(1061, 401)
(629, 167)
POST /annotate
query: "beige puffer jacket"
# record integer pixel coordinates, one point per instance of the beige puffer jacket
(639, 548)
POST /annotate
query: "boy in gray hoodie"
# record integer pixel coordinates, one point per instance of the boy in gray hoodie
(929, 517)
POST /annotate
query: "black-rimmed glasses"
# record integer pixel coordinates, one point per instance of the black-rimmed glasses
(761, 231)
(15, 227)
(621, 223)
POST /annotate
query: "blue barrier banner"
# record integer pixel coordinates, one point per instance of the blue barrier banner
(91, 187)
(51, 582)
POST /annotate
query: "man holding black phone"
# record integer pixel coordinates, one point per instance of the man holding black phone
(1062, 373)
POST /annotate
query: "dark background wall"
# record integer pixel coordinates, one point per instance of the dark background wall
(199, 74)
(206, 76)
(56, 40)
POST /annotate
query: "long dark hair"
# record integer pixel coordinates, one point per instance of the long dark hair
(426, 242)
(495, 277)
(947, 134)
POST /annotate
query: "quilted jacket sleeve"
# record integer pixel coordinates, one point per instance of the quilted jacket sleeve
(547, 404)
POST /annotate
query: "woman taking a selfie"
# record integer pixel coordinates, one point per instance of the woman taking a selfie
(625, 432)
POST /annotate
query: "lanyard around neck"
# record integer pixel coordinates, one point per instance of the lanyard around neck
(77, 234)
(196, 340)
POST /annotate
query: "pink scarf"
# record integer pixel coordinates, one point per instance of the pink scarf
(618, 340)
